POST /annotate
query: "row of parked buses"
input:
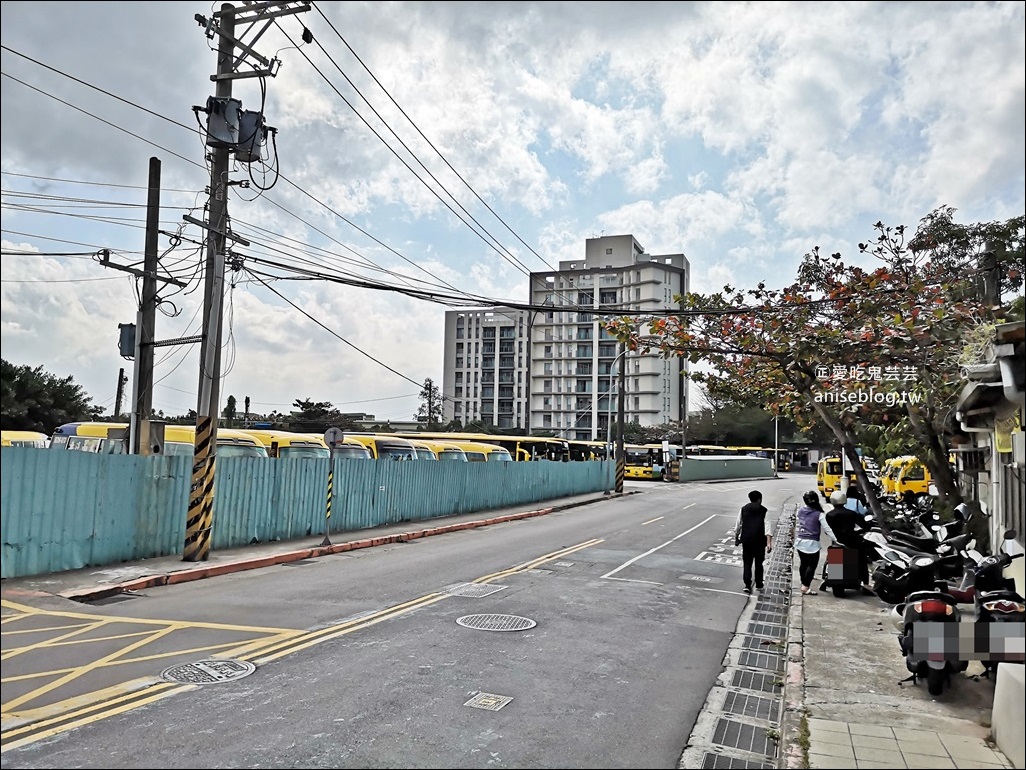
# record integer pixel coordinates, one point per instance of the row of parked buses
(112, 438)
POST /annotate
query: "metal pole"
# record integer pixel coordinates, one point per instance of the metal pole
(776, 444)
(621, 387)
(201, 499)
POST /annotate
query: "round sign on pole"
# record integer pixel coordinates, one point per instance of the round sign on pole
(333, 436)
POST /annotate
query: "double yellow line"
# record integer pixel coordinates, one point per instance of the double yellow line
(142, 692)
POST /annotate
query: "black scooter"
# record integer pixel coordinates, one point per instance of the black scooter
(997, 602)
(896, 575)
(927, 639)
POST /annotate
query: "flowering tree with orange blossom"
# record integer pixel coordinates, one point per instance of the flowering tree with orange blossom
(850, 346)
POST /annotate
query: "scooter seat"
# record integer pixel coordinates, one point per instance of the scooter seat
(941, 596)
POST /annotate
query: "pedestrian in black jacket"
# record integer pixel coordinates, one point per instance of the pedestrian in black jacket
(750, 534)
(848, 527)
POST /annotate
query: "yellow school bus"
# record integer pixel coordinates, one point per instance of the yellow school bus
(385, 446)
(482, 451)
(288, 445)
(112, 438)
(29, 438)
(439, 450)
(349, 449)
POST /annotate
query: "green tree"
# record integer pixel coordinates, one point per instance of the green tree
(315, 417)
(430, 410)
(230, 412)
(32, 399)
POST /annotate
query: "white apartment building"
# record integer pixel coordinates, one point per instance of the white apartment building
(554, 368)
(485, 374)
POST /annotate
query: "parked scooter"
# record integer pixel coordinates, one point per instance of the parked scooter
(931, 531)
(997, 601)
(902, 570)
(926, 637)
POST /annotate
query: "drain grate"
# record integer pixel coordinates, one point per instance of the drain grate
(749, 706)
(208, 671)
(766, 629)
(716, 761)
(762, 644)
(488, 701)
(768, 617)
(475, 590)
(751, 680)
(763, 660)
(496, 622)
(737, 735)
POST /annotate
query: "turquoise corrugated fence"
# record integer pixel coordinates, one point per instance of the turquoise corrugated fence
(62, 510)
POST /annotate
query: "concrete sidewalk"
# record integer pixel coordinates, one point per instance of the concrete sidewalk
(846, 708)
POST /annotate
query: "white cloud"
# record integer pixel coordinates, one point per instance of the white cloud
(741, 134)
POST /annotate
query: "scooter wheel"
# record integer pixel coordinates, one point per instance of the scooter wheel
(888, 596)
(838, 591)
(935, 681)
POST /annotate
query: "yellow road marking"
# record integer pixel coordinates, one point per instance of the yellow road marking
(98, 705)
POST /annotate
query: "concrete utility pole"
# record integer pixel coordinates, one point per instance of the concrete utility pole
(122, 379)
(142, 383)
(201, 498)
(199, 522)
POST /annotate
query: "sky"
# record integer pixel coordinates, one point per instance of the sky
(429, 155)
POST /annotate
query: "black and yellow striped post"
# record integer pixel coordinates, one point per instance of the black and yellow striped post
(620, 465)
(331, 484)
(199, 522)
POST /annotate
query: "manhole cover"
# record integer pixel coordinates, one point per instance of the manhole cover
(496, 622)
(208, 671)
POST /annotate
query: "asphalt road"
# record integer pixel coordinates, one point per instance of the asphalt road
(614, 617)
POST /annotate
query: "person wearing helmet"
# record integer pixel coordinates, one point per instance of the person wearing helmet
(849, 526)
(809, 527)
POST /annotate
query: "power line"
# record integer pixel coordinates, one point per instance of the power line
(495, 242)
(332, 332)
(430, 143)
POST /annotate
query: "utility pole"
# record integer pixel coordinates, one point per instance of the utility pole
(142, 384)
(122, 379)
(201, 498)
(199, 521)
(621, 387)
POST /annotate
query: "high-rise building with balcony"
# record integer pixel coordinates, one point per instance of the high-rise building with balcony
(554, 368)
(485, 375)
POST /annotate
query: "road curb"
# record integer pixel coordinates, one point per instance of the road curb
(175, 577)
